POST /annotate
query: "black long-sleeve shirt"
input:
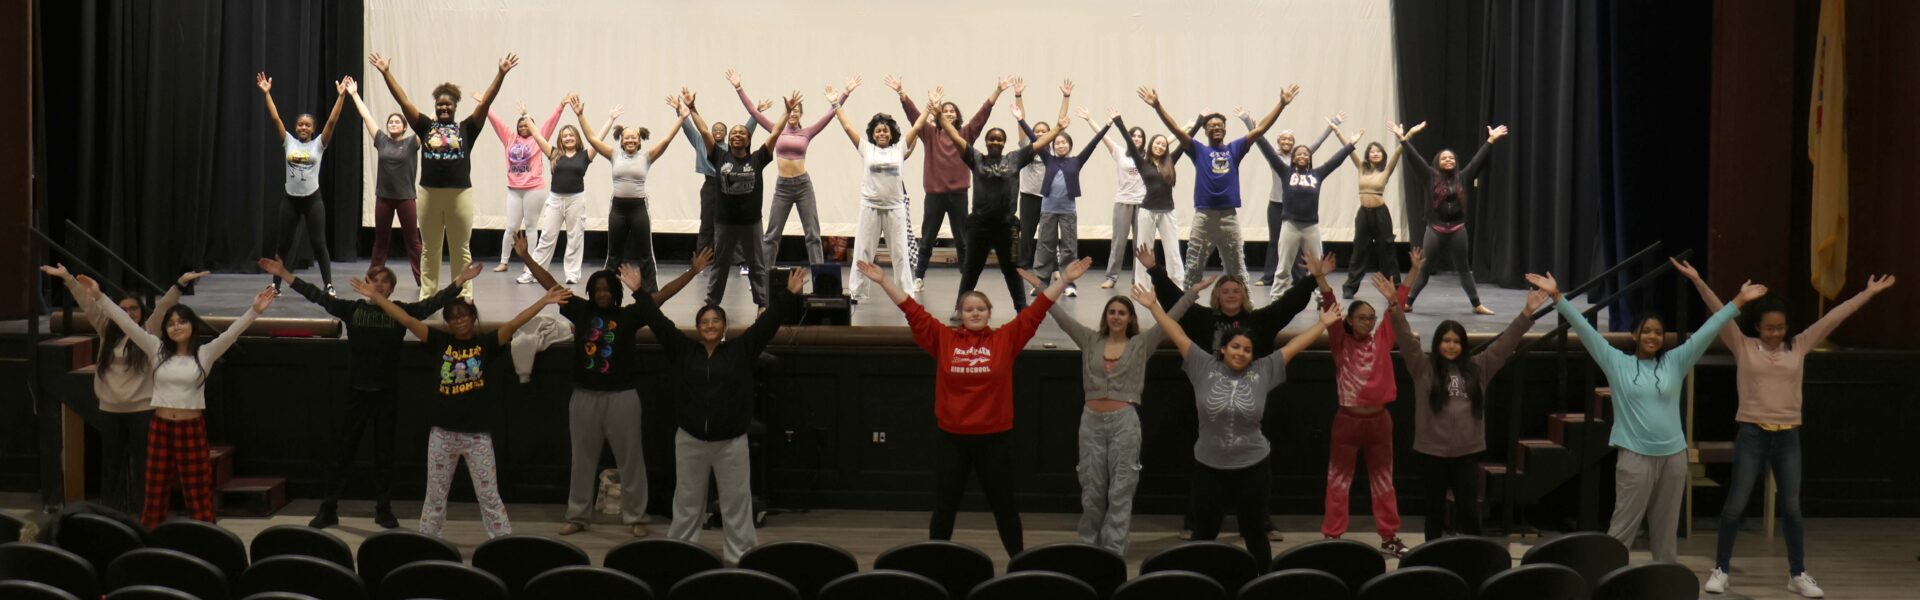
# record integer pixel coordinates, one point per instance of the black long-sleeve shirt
(1205, 324)
(713, 393)
(1447, 204)
(1157, 177)
(373, 339)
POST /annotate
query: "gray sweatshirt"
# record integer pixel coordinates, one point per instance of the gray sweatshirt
(1453, 431)
(1129, 373)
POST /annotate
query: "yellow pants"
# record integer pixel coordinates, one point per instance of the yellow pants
(445, 214)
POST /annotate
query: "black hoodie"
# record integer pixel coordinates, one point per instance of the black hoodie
(713, 394)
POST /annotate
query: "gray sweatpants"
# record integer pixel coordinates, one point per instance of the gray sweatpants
(1215, 229)
(1124, 217)
(1059, 243)
(593, 418)
(1649, 488)
(790, 193)
(1109, 473)
(693, 459)
(734, 244)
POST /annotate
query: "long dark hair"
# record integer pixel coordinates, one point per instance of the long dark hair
(1659, 356)
(1367, 165)
(1446, 184)
(1469, 375)
(614, 286)
(111, 337)
(173, 348)
(959, 118)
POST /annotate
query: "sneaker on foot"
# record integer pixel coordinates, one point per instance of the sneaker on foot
(1263, 283)
(743, 270)
(524, 279)
(573, 281)
(330, 292)
(383, 516)
(1273, 535)
(1186, 534)
(1717, 582)
(500, 268)
(324, 519)
(1394, 548)
(1108, 284)
(1072, 292)
(571, 528)
(1804, 585)
(919, 285)
(639, 530)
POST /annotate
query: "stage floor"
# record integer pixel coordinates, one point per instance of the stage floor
(499, 297)
(1854, 558)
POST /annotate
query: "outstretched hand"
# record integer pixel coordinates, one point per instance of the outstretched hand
(893, 83)
(1330, 316)
(1685, 268)
(1535, 300)
(733, 77)
(1495, 133)
(273, 266)
(1750, 291)
(379, 62)
(56, 270)
(796, 280)
(1144, 254)
(1205, 283)
(1031, 279)
(1417, 258)
(1077, 268)
(630, 276)
(558, 295)
(363, 287)
(508, 62)
(1292, 91)
(520, 244)
(1019, 85)
(1546, 283)
(468, 274)
(1066, 87)
(871, 271)
(87, 283)
(264, 299)
(262, 81)
(1879, 283)
(1322, 265)
(701, 259)
(1145, 297)
(1149, 96)
(1386, 288)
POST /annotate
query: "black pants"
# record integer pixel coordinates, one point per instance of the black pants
(708, 196)
(123, 459)
(630, 238)
(1372, 247)
(1461, 475)
(1456, 244)
(1246, 490)
(995, 235)
(944, 205)
(1029, 228)
(363, 407)
(988, 457)
(312, 209)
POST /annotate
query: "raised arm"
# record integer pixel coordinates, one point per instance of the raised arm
(1730, 335)
(1145, 298)
(1152, 98)
(833, 105)
(1480, 157)
(1332, 123)
(1086, 151)
(1286, 97)
(171, 298)
(1279, 164)
(360, 106)
(539, 271)
(753, 111)
(333, 116)
(145, 340)
(659, 148)
(773, 134)
(556, 295)
(1687, 353)
(912, 137)
(485, 103)
(1414, 152)
(385, 65)
(840, 112)
(213, 349)
(1329, 317)
(873, 273)
(1410, 353)
(706, 135)
(760, 334)
(1497, 354)
(1604, 354)
(596, 142)
(1818, 331)
(394, 311)
(265, 83)
(631, 277)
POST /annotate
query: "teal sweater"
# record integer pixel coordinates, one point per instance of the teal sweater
(1646, 393)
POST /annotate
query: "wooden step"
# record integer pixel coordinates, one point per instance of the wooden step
(1529, 446)
(221, 457)
(1603, 403)
(1560, 424)
(253, 496)
(1713, 453)
(77, 349)
(942, 255)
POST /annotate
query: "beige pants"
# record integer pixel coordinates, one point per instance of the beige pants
(445, 214)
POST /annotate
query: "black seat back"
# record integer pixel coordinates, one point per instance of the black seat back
(1353, 562)
(383, 552)
(733, 584)
(1426, 583)
(1591, 554)
(1034, 585)
(515, 559)
(1097, 567)
(50, 565)
(956, 567)
(441, 579)
(661, 562)
(167, 568)
(1227, 564)
(883, 583)
(1544, 581)
(209, 542)
(299, 540)
(1473, 559)
(587, 582)
(1650, 581)
(1180, 585)
(806, 565)
(1295, 583)
(315, 577)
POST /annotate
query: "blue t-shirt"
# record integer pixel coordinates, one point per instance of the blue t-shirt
(1057, 200)
(1217, 169)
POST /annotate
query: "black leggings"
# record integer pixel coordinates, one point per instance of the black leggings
(1029, 228)
(1372, 247)
(365, 407)
(1246, 488)
(1456, 245)
(995, 235)
(313, 210)
(949, 205)
(708, 196)
(1460, 474)
(630, 238)
(988, 457)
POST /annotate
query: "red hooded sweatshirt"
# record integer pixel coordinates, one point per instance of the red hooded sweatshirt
(1363, 371)
(973, 374)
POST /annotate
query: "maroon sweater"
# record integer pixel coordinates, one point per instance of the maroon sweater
(944, 171)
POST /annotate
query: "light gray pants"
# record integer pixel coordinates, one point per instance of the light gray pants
(1215, 229)
(1109, 473)
(1059, 243)
(593, 418)
(693, 459)
(1649, 488)
(1124, 217)
(788, 193)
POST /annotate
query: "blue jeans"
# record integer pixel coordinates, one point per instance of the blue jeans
(1755, 449)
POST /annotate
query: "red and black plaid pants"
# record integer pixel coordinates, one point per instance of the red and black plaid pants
(178, 450)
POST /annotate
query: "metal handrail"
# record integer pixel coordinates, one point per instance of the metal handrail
(152, 287)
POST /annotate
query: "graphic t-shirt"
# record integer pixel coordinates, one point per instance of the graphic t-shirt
(1217, 170)
(996, 180)
(463, 400)
(303, 165)
(881, 188)
(602, 344)
(1231, 406)
(446, 151)
(739, 181)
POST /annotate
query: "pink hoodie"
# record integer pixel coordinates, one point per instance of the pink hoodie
(523, 153)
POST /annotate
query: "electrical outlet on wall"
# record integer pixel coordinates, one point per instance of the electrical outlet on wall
(879, 437)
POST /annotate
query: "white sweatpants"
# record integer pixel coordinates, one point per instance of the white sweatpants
(875, 222)
(523, 214)
(1165, 225)
(568, 211)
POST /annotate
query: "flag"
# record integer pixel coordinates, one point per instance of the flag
(1827, 150)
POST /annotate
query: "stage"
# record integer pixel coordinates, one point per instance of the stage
(499, 297)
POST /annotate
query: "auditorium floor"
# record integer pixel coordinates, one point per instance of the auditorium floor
(499, 298)
(1853, 558)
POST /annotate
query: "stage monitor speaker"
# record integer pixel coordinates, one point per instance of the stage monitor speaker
(825, 306)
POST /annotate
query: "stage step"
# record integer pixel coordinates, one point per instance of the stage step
(942, 255)
(221, 457)
(1562, 426)
(1603, 403)
(78, 350)
(1712, 453)
(253, 496)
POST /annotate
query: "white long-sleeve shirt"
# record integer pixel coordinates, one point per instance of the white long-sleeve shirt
(178, 383)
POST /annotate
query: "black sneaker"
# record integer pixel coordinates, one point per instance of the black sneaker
(1394, 548)
(383, 516)
(324, 519)
(331, 293)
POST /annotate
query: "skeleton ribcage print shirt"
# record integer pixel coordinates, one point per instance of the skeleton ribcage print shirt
(1231, 405)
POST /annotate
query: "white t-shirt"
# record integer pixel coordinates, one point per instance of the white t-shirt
(881, 187)
(1131, 190)
(303, 164)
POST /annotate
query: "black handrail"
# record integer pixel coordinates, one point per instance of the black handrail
(1512, 478)
(1582, 288)
(152, 287)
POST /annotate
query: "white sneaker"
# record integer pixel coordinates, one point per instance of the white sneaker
(1072, 292)
(743, 270)
(524, 279)
(1804, 585)
(919, 285)
(1717, 582)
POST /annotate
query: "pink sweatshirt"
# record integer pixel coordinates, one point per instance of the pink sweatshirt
(1363, 371)
(523, 153)
(1770, 380)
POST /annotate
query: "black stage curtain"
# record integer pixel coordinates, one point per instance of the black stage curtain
(170, 158)
(1607, 103)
